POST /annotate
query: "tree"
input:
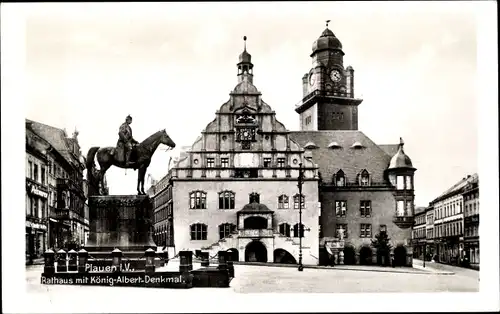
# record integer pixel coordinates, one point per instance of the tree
(383, 246)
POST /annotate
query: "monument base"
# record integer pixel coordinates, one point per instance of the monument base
(123, 222)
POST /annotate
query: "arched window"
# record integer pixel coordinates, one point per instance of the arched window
(340, 178)
(364, 178)
(226, 200)
(254, 198)
(226, 229)
(284, 229)
(198, 231)
(283, 202)
(296, 231)
(198, 200)
(296, 201)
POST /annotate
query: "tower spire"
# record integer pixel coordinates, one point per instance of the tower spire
(245, 43)
(327, 22)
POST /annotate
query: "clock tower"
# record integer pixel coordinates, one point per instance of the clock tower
(328, 102)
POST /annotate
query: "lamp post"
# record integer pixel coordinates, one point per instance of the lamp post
(301, 229)
(425, 246)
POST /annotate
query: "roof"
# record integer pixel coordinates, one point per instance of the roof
(351, 160)
(400, 159)
(56, 137)
(255, 208)
(389, 149)
(420, 210)
(457, 187)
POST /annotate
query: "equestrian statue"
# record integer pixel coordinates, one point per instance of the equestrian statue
(128, 154)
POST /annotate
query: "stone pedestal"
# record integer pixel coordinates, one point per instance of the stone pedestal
(120, 221)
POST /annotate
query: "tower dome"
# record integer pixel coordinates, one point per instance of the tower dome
(326, 41)
(400, 159)
(245, 66)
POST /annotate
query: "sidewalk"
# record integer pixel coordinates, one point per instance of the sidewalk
(443, 267)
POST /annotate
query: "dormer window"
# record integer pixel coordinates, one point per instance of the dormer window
(364, 178)
(310, 145)
(334, 145)
(340, 178)
(357, 145)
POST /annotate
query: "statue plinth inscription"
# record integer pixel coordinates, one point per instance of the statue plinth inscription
(120, 221)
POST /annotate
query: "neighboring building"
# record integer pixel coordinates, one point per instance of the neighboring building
(163, 213)
(365, 188)
(67, 224)
(419, 232)
(429, 232)
(471, 220)
(37, 195)
(449, 223)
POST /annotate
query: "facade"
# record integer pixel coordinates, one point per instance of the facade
(365, 188)
(429, 233)
(36, 196)
(419, 233)
(471, 221)
(449, 223)
(235, 188)
(163, 213)
(67, 226)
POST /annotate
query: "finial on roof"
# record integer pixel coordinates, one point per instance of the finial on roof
(401, 141)
(245, 42)
(327, 21)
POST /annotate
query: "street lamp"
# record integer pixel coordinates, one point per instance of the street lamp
(301, 229)
(425, 246)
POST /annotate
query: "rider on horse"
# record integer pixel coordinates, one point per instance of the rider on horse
(126, 140)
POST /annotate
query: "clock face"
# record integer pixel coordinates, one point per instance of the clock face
(335, 75)
(312, 79)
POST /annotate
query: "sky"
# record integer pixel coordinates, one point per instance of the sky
(172, 65)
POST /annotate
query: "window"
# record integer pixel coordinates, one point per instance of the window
(198, 200)
(254, 198)
(296, 231)
(226, 229)
(224, 162)
(30, 169)
(400, 211)
(198, 232)
(308, 120)
(283, 202)
(281, 162)
(35, 172)
(340, 178)
(284, 229)
(341, 230)
(267, 162)
(408, 183)
(210, 162)
(226, 200)
(299, 198)
(409, 208)
(42, 175)
(340, 208)
(365, 231)
(365, 178)
(365, 208)
(400, 183)
(34, 207)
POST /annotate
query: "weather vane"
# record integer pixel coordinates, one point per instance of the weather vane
(245, 40)
(327, 21)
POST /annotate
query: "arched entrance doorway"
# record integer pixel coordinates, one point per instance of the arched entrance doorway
(255, 222)
(256, 252)
(283, 257)
(400, 256)
(349, 255)
(233, 255)
(365, 255)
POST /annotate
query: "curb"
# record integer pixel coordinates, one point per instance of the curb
(414, 270)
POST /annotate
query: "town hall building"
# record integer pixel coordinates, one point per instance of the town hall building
(236, 189)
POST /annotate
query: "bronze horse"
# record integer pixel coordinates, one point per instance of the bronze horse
(107, 157)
